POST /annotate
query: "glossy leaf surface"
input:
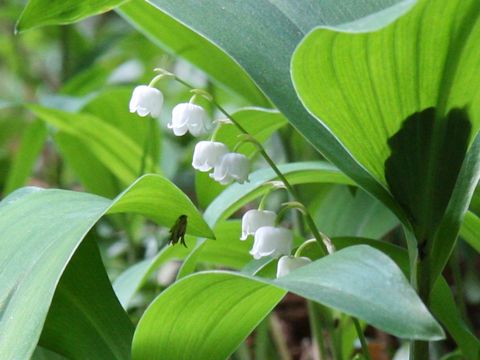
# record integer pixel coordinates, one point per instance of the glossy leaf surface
(50, 224)
(190, 318)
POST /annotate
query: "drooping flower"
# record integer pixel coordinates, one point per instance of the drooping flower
(189, 117)
(286, 264)
(146, 100)
(233, 166)
(207, 155)
(252, 220)
(272, 241)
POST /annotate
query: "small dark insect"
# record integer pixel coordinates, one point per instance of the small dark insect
(178, 230)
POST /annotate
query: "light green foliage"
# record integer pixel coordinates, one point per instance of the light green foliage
(406, 109)
(369, 108)
(175, 37)
(49, 225)
(33, 140)
(40, 12)
(189, 318)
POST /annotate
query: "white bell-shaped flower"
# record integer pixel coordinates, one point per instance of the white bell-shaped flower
(207, 155)
(252, 220)
(272, 241)
(233, 166)
(146, 100)
(286, 264)
(189, 117)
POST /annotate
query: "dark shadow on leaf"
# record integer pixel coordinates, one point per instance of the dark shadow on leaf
(421, 178)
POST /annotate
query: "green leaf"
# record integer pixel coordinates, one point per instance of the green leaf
(261, 36)
(49, 225)
(408, 120)
(53, 12)
(190, 319)
(85, 316)
(343, 212)
(121, 155)
(95, 177)
(204, 316)
(444, 307)
(174, 37)
(111, 106)
(162, 201)
(363, 282)
(260, 123)
(32, 143)
(470, 230)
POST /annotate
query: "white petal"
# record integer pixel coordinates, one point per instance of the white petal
(146, 100)
(207, 155)
(192, 116)
(252, 220)
(286, 264)
(273, 241)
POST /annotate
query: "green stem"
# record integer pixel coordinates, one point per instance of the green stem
(215, 132)
(146, 146)
(306, 244)
(279, 338)
(268, 159)
(459, 285)
(316, 328)
(363, 341)
(419, 350)
(261, 206)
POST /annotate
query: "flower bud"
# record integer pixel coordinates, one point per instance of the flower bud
(286, 264)
(189, 117)
(233, 166)
(252, 220)
(146, 100)
(272, 241)
(207, 155)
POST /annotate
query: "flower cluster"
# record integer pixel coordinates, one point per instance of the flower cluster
(188, 117)
(269, 239)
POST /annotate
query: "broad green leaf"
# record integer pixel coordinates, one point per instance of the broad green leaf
(49, 225)
(410, 121)
(95, 177)
(443, 306)
(445, 238)
(32, 143)
(204, 316)
(53, 12)
(162, 201)
(85, 317)
(470, 230)
(111, 106)
(174, 37)
(121, 155)
(342, 212)
(261, 36)
(364, 282)
(190, 319)
(260, 123)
